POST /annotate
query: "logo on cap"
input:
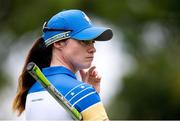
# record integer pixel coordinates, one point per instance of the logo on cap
(87, 18)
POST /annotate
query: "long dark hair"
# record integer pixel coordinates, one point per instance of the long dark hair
(40, 55)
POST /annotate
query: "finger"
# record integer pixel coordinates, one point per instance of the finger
(98, 78)
(95, 79)
(92, 73)
(95, 73)
(91, 69)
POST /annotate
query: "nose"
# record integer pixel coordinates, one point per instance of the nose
(91, 49)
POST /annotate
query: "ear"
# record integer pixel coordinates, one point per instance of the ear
(59, 45)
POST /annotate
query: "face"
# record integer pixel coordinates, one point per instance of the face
(79, 54)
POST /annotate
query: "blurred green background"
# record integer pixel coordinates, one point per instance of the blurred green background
(151, 31)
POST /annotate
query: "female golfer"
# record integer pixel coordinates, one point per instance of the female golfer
(66, 47)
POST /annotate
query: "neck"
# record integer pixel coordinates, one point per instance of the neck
(61, 61)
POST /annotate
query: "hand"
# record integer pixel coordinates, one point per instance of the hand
(91, 77)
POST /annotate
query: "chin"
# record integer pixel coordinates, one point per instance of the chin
(86, 66)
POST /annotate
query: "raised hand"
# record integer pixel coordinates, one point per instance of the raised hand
(91, 77)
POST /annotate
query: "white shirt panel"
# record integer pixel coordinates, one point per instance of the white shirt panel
(42, 106)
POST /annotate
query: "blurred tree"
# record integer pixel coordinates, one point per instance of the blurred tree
(151, 31)
(18, 17)
(151, 36)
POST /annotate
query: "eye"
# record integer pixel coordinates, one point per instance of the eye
(87, 43)
(93, 41)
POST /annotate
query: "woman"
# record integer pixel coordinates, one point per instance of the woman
(66, 47)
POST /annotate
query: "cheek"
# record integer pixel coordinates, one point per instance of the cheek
(79, 61)
(78, 52)
(78, 56)
(75, 55)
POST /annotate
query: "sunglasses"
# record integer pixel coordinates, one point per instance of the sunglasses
(45, 28)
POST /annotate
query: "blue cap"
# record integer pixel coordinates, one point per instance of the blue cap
(73, 24)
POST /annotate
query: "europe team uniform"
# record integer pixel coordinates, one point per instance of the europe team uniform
(40, 105)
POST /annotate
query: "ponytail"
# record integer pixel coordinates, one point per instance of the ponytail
(40, 55)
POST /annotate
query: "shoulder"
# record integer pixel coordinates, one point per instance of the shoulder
(82, 96)
(79, 94)
(87, 101)
(36, 87)
(64, 83)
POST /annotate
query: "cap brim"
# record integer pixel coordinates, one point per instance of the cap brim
(94, 33)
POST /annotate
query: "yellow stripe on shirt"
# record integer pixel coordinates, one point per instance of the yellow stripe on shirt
(95, 112)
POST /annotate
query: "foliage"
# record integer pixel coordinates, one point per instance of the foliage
(151, 36)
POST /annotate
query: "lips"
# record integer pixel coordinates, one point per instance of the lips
(90, 58)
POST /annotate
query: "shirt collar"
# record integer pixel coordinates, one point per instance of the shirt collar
(53, 70)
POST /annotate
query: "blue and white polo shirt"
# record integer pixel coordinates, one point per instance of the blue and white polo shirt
(40, 105)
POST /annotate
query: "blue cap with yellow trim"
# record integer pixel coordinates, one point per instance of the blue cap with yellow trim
(73, 24)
